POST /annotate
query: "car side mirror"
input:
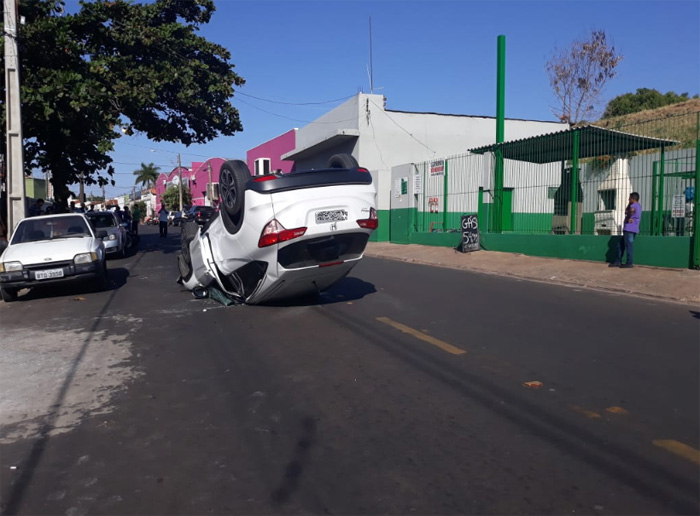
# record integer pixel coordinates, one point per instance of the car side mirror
(102, 233)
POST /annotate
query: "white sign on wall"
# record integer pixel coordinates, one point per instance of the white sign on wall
(678, 207)
(417, 184)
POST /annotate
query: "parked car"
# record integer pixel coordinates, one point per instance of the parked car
(51, 249)
(200, 214)
(117, 240)
(281, 235)
(174, 218)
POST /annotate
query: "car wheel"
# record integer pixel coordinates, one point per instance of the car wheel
(232, 180)
(8, 294)
(342, 161)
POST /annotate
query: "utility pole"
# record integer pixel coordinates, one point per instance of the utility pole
(82, 188)
(209, 187)
(16, 206)
(179, 175)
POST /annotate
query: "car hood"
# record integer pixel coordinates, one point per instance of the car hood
(46, 251)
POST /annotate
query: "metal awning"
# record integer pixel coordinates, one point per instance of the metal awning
(593, 141)
(314, 148)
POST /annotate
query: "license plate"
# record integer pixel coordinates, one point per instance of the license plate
(51, 273)
(323, 217)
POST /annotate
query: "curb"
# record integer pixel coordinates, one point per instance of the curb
(566, 283)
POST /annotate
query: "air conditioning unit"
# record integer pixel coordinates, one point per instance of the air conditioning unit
(213, 191)
(262, 166)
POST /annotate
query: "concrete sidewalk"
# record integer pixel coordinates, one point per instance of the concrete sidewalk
(679, 285)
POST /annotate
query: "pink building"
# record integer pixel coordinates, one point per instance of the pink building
(195, 178)
(261, 159)
(266, 157)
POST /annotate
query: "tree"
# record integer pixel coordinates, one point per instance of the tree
(147, 175)
(114, 68)
(578, 74)
(643, 99)
(171, 197)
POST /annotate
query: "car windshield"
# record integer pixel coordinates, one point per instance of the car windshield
(102, 220)
(50, 228)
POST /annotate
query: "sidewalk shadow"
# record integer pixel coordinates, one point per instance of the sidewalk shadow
(612, 254)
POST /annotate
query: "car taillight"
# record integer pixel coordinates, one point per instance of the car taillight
(361, 169)
(259, 179)
(274, 233)
(372, 222)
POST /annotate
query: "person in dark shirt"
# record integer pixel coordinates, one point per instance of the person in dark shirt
(36, 208)
(633, 214)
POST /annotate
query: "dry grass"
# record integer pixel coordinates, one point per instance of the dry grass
(678, 122)
(682, 108)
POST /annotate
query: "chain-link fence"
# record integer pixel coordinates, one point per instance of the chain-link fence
(655, 158)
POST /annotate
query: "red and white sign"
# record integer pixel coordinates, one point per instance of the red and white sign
(437, 168)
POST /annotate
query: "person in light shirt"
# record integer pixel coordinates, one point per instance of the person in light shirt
(163, 220)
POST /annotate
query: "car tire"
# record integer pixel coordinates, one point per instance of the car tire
(8, 294)
(342, 161)
(232, 180)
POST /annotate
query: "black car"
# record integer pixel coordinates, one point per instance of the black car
(200, 214)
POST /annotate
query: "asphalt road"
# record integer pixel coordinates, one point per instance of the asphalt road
(405, 389)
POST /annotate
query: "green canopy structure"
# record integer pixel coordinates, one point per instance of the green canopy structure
(592, 141)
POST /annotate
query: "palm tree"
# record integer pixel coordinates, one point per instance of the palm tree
(147, 175)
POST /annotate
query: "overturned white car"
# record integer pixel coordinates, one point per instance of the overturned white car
(278, 236)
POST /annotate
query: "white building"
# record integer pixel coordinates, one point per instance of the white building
(381, 139)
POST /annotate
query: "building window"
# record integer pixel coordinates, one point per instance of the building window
(608, 199)
(262, 166)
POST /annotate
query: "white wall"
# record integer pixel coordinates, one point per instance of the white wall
(391, 138)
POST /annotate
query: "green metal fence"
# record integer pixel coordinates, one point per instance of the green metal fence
(572, 182)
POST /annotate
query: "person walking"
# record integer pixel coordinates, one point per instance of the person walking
(163, 221)
(633, 214)
(136, 217)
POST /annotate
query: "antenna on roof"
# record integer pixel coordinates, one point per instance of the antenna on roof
(371, 69)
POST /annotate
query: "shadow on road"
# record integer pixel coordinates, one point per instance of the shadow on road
(117, 279)
(347, 289)
(295, 466)
(12, 502)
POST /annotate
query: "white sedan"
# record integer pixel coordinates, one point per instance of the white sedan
(52, 249)
(281, 235)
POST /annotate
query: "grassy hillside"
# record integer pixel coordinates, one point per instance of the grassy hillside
(680, 122)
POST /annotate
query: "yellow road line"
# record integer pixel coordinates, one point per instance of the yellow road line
(678, 448)
(617, 410)
(422, 336)
(588, 413)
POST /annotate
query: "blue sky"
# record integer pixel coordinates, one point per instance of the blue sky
(428, 56)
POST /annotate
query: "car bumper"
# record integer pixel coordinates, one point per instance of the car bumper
(300, 282)
(71, 274)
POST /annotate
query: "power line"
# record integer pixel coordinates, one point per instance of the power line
(293, 103)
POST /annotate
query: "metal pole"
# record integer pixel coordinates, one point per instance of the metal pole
(444, 200)
(662, 180)
(209, 187)
(696, 203)
(16, 206)
(179, 174)
(500, 133)
(574, 182)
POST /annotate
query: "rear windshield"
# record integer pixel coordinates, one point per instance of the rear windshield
(50, 228)
(102, 220)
